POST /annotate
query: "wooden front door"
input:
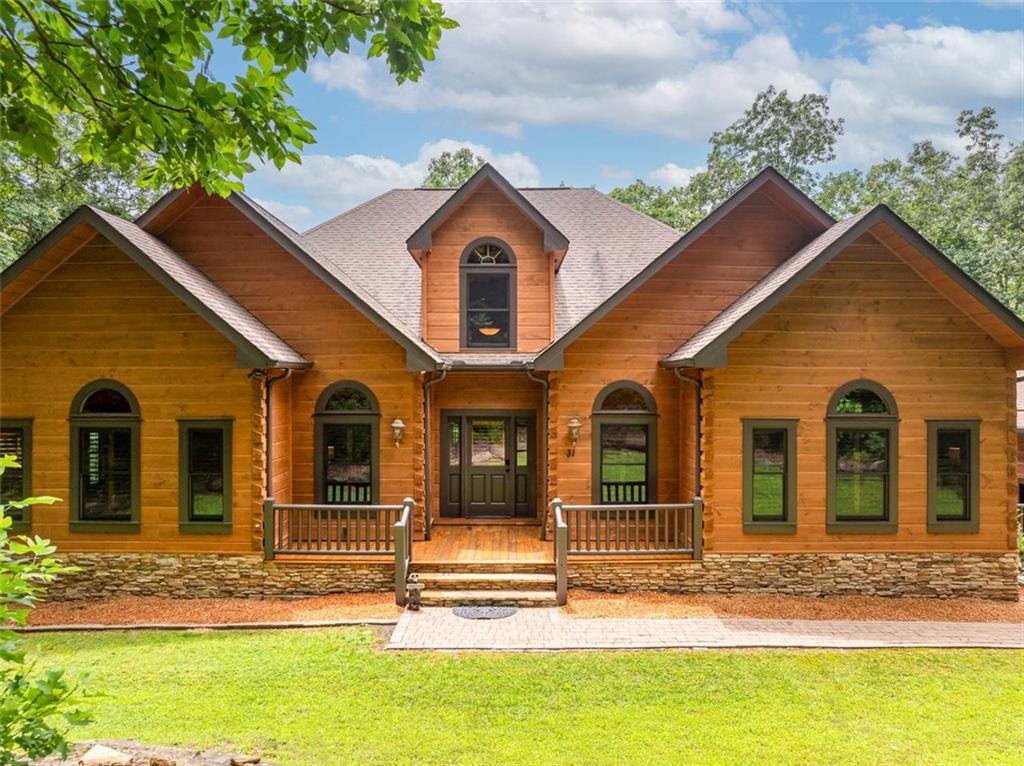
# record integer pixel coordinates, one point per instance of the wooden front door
(487, 463)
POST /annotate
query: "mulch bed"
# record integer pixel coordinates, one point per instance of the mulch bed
(584, 604)
(139, 610)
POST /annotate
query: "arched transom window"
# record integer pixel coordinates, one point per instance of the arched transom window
(347, 443)
(104, 456)
(624, 444)
(488, 295)
(862, 458)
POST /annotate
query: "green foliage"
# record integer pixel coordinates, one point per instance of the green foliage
(35, 195)
(35, 706)
(139, 74)
(449, 170)
(971, 208)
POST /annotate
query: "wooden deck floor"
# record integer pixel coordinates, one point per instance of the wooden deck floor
(479, 543)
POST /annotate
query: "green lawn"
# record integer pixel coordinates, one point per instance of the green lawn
(329, 697)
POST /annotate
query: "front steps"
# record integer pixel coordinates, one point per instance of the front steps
(519, 584)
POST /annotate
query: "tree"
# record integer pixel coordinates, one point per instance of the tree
(35, 195)
(139, 74)
(35, 707)
(451, 169)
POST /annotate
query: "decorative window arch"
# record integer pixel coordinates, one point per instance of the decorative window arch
(105, 458)
(347, 445)
(487, 294)
(624, 444)
(863, 446)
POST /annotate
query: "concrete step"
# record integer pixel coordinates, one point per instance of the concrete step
(487, 580)
(523, 598)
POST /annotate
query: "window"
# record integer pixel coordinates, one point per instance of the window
(347, 445)
(953, 487)
(204, 475)
(769, 476)
(105, 458)
(624, 445)
(488, 295)
(16, 483)
(862, 459)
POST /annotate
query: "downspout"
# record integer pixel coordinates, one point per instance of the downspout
(698, 456)
(545, 386)
(268, 389)
(428, 478)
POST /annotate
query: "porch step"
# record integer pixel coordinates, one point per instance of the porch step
(522, 598)
(485, 567)
(480, 581)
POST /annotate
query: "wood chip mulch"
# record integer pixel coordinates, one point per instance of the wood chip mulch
(584, 604)
(136, 610)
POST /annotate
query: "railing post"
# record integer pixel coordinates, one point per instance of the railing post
(561, 554)
(403, 549)
(698, 529)
(408, 504)
(268, 529)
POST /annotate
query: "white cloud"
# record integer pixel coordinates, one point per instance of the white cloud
(296, 216)
(334, 183)
(685, 69)
(670, 174)
(615, 174)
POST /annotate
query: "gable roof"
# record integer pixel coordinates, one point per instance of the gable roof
(418, 353)
(422, 238)
(550, 357)
(707, 347)
(257, 345)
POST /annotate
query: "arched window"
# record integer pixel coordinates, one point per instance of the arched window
(347, 443)
(624, 444)
(105, 460)
(488, 295)
(862, 459)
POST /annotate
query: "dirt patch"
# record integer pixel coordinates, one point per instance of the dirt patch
(136, 610)
(150, 755)
(584, 604)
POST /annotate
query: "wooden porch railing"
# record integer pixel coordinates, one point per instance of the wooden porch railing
(342, 530)
(624, 529)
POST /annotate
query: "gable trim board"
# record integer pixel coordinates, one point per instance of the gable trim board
(550, 358)
(708, 346)
(422, 239)
(419, 356)
(257, 345)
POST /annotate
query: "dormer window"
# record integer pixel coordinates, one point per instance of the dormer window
(488, 295)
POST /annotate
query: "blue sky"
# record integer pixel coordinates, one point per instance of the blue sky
(600, 93)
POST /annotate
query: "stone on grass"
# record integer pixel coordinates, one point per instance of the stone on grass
(101, 755)
(243, 760)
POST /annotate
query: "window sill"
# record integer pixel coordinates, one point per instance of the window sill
(104, 526)
(769, 527)
(938, 527)
(862, 527)
(205, 527)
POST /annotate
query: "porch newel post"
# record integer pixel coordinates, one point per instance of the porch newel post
(561, 553)
(698, 529)
(268, 529)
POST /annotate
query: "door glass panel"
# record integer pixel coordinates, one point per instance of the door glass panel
(487, 442)
(348, 463)
(623, 463)
(522, 446)
(454, 443)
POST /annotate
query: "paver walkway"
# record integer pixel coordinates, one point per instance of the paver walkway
(548, 629)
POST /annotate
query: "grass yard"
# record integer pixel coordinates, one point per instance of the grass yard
(330, 697)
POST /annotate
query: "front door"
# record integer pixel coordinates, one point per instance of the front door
(487, 464)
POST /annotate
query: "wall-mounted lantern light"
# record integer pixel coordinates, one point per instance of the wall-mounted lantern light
(574, 434)
(397, 429)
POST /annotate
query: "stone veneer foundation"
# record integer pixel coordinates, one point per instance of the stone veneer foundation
(209, 575)
(927, 575)
(924, 575)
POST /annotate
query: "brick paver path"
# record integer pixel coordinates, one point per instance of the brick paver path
(548, 629)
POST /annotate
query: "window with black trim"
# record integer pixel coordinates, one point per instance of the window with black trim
(16, 481)
(953, 487)
(204, 475)
(105, 482)
(347, 445)
(624, 445)
(862, 425)
(488, 295)
(769, 475)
